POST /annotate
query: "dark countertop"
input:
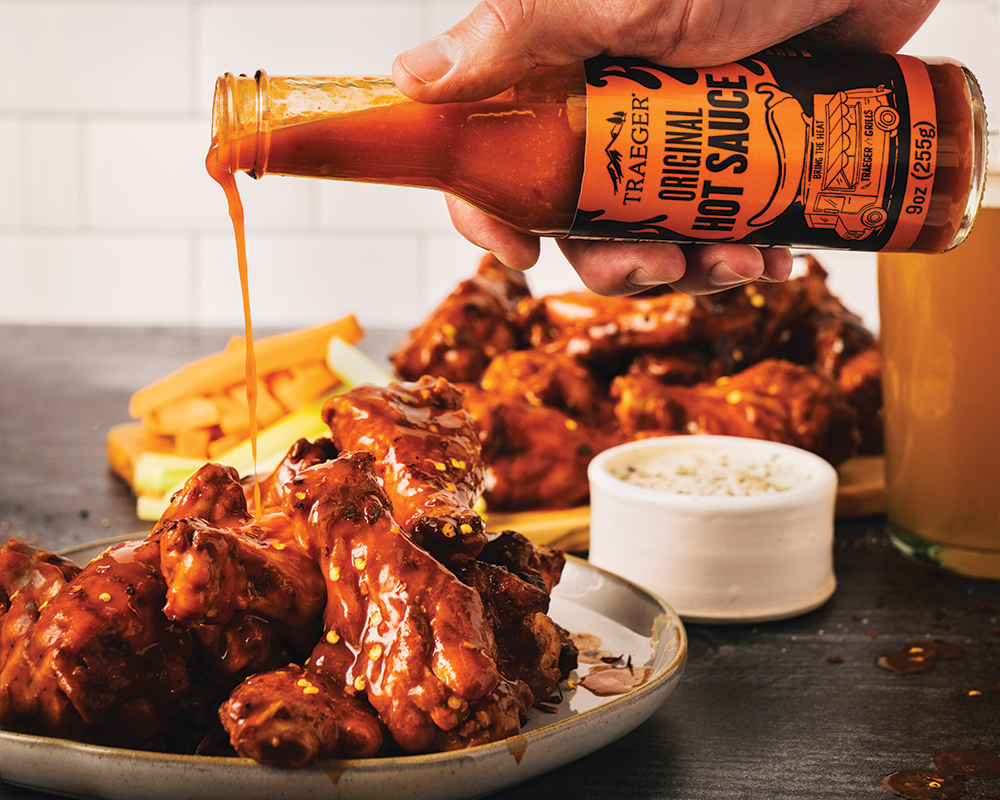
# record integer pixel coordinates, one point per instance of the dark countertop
(792, 709)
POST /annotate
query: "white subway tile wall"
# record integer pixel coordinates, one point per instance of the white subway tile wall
(107, 216)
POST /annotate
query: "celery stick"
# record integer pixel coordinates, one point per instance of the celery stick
(156, 473)
(273, 442)
(353, 366)
(150, 509)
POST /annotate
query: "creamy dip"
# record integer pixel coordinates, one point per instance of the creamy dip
(713, 473)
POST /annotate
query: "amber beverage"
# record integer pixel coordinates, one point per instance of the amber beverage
(941, 381)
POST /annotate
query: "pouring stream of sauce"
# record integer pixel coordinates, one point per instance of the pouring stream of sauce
(228, 183)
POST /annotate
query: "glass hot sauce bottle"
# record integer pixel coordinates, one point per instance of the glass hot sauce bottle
(789, 147)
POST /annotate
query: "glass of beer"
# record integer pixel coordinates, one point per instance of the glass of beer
(940, 330)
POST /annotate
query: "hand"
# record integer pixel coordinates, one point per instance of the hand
(502, 40)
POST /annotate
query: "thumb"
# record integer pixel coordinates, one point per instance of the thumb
(490, 50)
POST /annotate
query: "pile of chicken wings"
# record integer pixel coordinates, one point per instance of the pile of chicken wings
(551, 381)
(359, 610)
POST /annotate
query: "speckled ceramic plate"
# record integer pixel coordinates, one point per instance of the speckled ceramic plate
(627, 620)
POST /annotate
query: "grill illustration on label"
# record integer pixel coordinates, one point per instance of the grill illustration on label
(844, 186)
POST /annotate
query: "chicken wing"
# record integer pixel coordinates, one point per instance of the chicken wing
(29, 578)
(860, 380)
(428, 458)
(549, 379)
(102, 662)
(423, 651)
(295, 716)
(538, 564)
(273, 488)
(528, 641)
(536, 456)
(247, 590)
(607, 333)
(472, 325)
(774, 400)
(829, 334)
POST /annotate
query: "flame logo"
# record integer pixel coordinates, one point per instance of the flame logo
(617, 121)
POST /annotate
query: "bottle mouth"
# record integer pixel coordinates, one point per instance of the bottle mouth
(241, 123)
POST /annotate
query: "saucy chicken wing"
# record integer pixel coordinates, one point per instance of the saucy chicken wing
(472, 325)
(536, 456)
(295, 716)
(102, 662)
(274, 487)
(29, 578)
(427, 456)
(423, 651)
(549, 379)
(774, 400)
(829, 334)
(606, 334)
(529, 644)
(220, 561)
(245, 588)
(860, 380)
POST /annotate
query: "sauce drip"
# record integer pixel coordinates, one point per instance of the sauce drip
(969, 763)
(611, 674)
(924, 784)
(605, 680)
(947, 782)
(228, 183)
(919, 656)
(589, 650)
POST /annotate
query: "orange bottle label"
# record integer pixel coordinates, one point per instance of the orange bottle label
(785, 147)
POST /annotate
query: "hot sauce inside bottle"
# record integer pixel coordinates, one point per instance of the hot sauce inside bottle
(809, 149)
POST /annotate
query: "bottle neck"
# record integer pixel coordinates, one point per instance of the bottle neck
(240, 124)
(517, 156)
(246, 112)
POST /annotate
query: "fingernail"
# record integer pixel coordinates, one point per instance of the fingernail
(721, 275)
(430, 61)
(639, 277)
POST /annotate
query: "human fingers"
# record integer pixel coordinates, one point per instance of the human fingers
(513, 248)
(876, 25)
(777, 264)
(714, 267)
(623, 268)
(500, 41)
(496, 45)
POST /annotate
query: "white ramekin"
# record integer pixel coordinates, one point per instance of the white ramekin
(719, 558)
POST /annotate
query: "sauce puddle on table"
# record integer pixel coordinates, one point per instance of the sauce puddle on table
(919, 656)
(947, 782)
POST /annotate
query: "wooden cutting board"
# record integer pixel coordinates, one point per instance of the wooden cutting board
(861, 493)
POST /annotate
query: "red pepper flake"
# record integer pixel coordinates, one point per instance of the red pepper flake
(873, 634)
(835, 660)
